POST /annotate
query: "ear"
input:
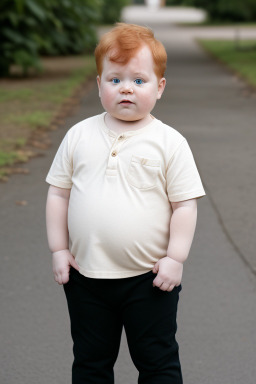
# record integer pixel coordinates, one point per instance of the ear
(98, 82)
(161, 87)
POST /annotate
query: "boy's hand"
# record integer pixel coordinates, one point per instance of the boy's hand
(169, 274)
(61, 262)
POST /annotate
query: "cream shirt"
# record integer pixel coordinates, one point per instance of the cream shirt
(121, 188)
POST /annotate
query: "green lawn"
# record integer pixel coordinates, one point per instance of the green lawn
(238, 56)
(30, 105)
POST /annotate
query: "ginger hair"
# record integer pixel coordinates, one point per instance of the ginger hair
(122, 43)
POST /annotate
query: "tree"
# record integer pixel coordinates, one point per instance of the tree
(111, 10)
(227, 10)
(33, 27)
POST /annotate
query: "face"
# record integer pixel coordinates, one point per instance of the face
(129, 92)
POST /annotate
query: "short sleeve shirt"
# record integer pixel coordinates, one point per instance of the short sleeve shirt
(122, 186)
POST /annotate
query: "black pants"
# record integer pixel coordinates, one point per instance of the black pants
(99, 308)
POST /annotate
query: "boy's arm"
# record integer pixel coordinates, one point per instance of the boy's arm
(57, 232)
(182, 228)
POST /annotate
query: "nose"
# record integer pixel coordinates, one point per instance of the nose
(126, 88)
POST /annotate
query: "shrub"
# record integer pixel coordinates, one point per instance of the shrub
(111, 10)
(30, 28)
(70, 27)
(227, 10)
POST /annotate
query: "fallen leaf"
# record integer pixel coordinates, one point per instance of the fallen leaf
(23, 171)
(21, 202)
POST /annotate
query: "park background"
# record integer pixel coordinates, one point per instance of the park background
(48, 84)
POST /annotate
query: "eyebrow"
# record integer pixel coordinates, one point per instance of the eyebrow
(114, 73)
(140, 74)
(136, 74)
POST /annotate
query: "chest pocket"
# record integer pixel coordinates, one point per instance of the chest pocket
(142, 173)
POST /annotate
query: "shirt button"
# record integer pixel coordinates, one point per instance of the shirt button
(114, 153)
(121, 137)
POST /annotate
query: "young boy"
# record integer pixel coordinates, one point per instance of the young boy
(121, 215)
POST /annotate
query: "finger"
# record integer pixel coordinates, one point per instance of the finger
(64, 276)
(170, 288)
(57, 278)
(156, 267)
(164, 287)
(65, 279)
(157, 282)
(73, 263)
(61, 277)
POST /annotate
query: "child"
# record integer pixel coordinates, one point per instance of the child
(121, 215)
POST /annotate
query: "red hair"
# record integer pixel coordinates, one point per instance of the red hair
(122, 43)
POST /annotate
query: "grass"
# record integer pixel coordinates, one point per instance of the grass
(7, 158)
(32, 120)
(10, 95)
(30, 105)
(238, 56)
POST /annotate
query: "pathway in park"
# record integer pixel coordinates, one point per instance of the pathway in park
(217, 309)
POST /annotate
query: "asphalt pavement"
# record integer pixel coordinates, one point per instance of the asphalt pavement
(216, 112)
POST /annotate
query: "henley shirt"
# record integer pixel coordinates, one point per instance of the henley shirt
(122, 186)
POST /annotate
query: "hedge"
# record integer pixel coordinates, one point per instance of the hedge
(30, 28)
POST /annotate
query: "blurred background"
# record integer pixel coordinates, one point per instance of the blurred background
(47, 84)
(42, 42)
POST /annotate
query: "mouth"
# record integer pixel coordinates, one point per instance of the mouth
(126, 102)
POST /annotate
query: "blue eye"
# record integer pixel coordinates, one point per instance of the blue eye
(139, 81)
(115, 81)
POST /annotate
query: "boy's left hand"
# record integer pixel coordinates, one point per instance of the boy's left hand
(169, 274)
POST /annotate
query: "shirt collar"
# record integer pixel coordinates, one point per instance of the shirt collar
(125, 133)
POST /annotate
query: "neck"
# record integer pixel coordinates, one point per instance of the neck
(120, 126)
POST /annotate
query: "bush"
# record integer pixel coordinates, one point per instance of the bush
(70, 27)
(174, 2)
(30, 28)
(18, 34)
(111, 10)
(227, 10)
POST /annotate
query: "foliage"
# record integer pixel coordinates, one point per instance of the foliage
(33, 27)
(38, 105)
(111, 10)
(174, 2)
(70, 27)
(17, 35)
(7, 158)
(240, 56)
(227, 10)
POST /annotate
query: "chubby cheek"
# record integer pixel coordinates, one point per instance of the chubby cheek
(106, 96)
(148, 102)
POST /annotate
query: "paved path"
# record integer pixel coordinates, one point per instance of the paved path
(217, 309)
(139, 14)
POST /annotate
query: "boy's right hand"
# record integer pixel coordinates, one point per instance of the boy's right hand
(61, 262)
